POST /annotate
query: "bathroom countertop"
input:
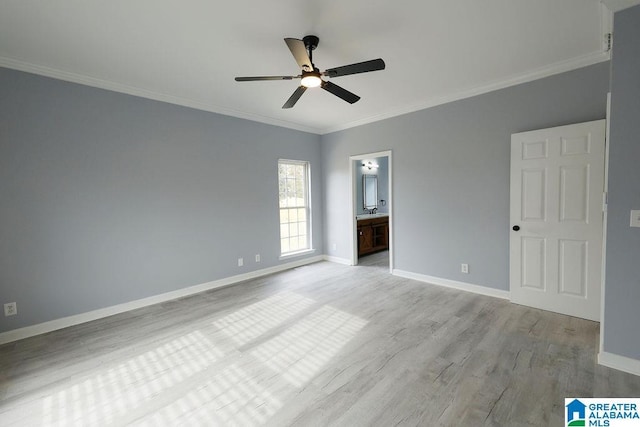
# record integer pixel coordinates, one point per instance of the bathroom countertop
(367, 216)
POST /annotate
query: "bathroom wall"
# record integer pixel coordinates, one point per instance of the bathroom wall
(383, 182)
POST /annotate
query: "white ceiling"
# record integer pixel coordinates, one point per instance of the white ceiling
(188, 52)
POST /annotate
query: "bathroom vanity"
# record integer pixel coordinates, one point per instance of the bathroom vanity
(373, 233)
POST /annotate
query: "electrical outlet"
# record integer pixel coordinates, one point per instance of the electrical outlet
(464, 268)
(10, 309)
(257, 257)
(240, 262)
(334, 247)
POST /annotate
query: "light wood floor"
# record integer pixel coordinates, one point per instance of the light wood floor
(323, 344)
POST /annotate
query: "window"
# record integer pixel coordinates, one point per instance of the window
(295, 218)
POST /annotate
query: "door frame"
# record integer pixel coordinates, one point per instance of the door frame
(605, 208)
(353, 211)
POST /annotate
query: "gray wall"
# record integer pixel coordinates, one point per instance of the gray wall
(622, 286)
(451, 173)
(108, 198)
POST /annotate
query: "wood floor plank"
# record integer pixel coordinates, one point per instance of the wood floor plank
(323, 344)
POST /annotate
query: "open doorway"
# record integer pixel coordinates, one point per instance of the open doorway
(372, 209)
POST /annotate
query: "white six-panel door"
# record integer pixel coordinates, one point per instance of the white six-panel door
(557, 181)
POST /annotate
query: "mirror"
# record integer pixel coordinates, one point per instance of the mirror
(370, 191)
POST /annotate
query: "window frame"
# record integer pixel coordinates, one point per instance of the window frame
(307, 206)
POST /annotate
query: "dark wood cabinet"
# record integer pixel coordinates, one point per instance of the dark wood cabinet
(365, 239)
(373, 235)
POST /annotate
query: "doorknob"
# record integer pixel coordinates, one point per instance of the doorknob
(516, 227)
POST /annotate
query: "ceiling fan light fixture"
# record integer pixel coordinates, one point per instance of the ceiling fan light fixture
(311, 79)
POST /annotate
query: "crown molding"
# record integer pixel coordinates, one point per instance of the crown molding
(557, 68)
(616, 5)
(144, 93)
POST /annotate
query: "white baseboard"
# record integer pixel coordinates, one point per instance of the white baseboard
(52, 325)
(337, 260)
(462, 286)
(621, 363)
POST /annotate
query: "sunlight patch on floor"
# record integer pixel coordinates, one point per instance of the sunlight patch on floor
(302, 350)
(190, 381)
(253, 321)
(114, 391)
(230, 397)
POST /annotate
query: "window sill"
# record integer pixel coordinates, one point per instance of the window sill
(297, 254)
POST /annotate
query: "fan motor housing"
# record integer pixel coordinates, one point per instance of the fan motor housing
(311, 42)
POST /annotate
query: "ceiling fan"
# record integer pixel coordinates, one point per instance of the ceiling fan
(302, 51)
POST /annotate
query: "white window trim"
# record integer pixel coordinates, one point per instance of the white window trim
(297, 253)
(310, 249)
